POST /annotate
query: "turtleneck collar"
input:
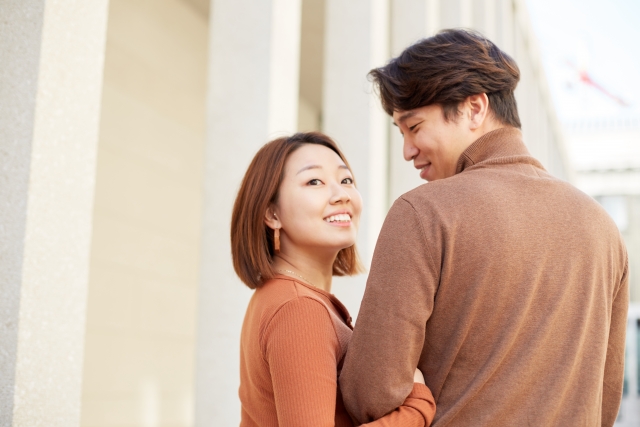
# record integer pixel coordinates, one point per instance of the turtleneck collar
(504, 145)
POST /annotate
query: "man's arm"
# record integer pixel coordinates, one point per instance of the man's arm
(389, 335)
(614, 364)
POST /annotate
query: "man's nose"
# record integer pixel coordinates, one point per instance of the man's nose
(409, 150)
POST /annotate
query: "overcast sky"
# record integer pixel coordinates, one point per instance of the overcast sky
(599, 37)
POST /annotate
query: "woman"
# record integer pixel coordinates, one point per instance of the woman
(293, 228)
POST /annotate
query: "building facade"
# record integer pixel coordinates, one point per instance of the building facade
(127, 126)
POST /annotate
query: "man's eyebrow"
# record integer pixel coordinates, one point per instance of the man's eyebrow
(404, 117)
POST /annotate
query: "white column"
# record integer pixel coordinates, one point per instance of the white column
(253, 74)
(52, 55)
(411, 21)
(450, 13)
(356, 40)
(284, 69)
(456, 13)
(433, 16)
(466, 13)
(489, 17)
(506, 39)
(352, 113)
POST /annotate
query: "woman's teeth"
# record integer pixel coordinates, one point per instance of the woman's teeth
(338, 218)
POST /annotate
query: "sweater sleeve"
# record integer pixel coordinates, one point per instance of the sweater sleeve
(614, 363)
(418, 410)
(301, 348)
(389, 334)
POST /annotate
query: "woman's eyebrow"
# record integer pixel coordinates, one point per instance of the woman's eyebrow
(309, 167)
(319, 167)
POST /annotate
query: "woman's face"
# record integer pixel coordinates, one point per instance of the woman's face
(318, 205)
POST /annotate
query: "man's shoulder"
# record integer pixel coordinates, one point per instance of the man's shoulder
(482, 194)
(434, 192)
(468, 186)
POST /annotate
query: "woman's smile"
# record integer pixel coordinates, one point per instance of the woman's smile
(342, 219)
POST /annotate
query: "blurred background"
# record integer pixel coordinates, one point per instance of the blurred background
(127, 125)
(592, 59)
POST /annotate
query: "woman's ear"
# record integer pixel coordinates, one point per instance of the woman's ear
(271, 218)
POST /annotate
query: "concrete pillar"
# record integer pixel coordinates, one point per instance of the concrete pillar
(466, 13)
(284, 70)
(489, 28)
(433, 16)
(52, 55)
(353, 115)
(456, 13)
(411, 20)
(506, 24)
(539, 127)
(484, 19)
(451, 13)
(253, 93)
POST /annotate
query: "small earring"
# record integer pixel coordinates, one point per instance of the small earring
(276, 240)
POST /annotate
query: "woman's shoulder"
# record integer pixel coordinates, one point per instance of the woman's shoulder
(280, 301)
(276, 292)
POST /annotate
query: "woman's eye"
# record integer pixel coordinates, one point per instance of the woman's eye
(347, 181)
(314, 182)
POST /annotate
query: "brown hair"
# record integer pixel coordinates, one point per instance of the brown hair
(446, 69)
(251, 239)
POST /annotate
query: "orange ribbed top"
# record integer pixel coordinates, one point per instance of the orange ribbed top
(294, 339)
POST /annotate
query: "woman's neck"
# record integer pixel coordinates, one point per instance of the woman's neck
(313, 269)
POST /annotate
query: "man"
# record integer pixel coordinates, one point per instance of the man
(506, 287)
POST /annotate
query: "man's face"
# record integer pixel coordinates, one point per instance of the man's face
(432, 143)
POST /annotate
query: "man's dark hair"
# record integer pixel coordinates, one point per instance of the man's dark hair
(447, 68)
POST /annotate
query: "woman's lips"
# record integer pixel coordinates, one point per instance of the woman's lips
(339, 220)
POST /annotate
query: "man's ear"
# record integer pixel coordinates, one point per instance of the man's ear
(271, 218)
(478, 110)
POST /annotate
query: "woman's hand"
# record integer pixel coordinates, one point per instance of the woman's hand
(418, 377)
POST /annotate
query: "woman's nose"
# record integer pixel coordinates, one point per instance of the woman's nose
(339, 194)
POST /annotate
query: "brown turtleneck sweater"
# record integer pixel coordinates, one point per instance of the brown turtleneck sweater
(507, 287)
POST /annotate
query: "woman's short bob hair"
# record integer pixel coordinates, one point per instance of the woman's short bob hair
(251, 239)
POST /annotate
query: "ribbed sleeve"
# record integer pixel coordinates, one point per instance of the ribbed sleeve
(300, 347)
(418, 410)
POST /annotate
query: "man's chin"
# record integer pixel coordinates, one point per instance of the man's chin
(430, 175)
(426, 173)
